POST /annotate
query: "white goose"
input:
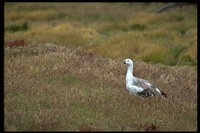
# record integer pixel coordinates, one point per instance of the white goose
(139, 86)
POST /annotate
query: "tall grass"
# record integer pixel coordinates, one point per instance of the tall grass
(63, 70)
(55, 88)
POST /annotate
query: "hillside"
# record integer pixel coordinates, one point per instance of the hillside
(63, 66)
(50, 87)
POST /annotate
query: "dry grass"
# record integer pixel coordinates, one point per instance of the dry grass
(130, 29)
(52, 84)
(50, 87)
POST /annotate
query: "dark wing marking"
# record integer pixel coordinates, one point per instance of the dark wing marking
(149, 88)
(146, 93)
(163, 94)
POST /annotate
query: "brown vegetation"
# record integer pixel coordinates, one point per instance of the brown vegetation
(131, 30)
(87, 128)
(52, 84)
(14, 43)
(150, 128)
(55, 88)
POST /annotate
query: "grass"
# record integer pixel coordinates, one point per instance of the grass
(15, 28)
(98, 27)
(64, 72)
(70, 90)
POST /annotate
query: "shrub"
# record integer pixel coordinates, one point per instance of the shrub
(15, 28)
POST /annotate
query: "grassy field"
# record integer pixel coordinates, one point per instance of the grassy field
(109, 29)
(70, 76)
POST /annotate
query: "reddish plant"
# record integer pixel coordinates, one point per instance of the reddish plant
(85, 128)
(15, 43)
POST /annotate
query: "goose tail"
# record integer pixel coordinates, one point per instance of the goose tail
(163, 94)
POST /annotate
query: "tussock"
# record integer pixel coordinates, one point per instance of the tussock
(130, 29)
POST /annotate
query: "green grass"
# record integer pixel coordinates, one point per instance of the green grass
(15, 28)
(65, 89)
(99, 27)
(70, 76)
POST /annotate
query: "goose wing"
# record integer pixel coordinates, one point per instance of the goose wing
(149, 88)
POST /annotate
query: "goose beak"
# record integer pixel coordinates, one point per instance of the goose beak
(124, 62)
